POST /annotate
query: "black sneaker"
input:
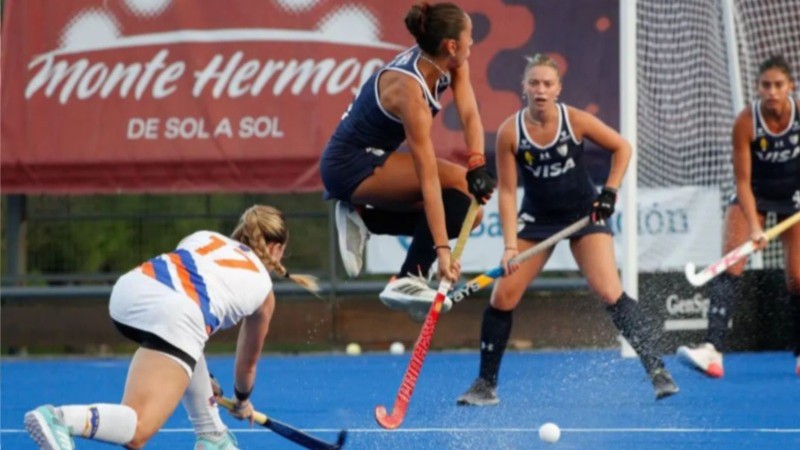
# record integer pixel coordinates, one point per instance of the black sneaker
(481, 393)
(663, 384)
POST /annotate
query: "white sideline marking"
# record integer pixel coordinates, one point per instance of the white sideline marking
(493, 430)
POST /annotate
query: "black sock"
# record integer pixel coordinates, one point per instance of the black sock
(393, 223)
(794, 308)
(723, 293)
(421, 253)
(495, 330)
(639, 329)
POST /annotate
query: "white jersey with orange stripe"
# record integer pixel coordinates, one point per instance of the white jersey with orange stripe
(222, 276)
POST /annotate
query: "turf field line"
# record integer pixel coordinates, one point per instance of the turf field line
(495, 430)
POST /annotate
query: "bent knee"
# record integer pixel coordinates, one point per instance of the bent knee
(140, 437)
(505, 299)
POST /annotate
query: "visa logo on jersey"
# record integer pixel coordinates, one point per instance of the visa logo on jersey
(780, 156)
(551, 170)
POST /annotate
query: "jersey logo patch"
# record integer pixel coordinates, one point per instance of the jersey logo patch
(794, 139)
(562, 149)
(375, 151)
(763, 144)
(529, 158)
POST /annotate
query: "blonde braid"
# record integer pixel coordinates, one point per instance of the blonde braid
(307, 281)
(261, 224)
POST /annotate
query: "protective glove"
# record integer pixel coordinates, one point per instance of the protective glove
(480, 182)
(603, 206)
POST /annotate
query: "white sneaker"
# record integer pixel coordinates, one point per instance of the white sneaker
(413, 295)
(224, 442)
(704, 358)
(353, 237)
(47, 428)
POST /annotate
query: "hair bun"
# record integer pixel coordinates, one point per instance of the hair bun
(416, 18)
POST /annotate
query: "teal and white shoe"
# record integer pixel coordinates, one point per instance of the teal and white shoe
(224, 442)
(47, 428)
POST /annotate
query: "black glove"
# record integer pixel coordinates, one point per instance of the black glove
(603, 206)
(479, 181)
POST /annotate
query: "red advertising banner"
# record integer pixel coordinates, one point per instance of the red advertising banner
(102, 96)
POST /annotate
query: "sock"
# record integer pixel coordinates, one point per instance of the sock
(115, 424)
(723, 295)
(794, 308)
(421, 253)
(199, 404)
(495, 330)
(393, 223)
(640, 331)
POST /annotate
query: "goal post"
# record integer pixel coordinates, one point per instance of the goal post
(628, 90)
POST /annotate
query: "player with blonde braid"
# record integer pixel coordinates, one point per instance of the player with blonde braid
(249, 232)
(170, 306)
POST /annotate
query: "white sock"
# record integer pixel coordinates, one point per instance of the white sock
(199, 404)
(115, 424)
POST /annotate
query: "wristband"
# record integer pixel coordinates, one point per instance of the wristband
(437, 247)
(511, 248)
(242, 396)
(475, 159)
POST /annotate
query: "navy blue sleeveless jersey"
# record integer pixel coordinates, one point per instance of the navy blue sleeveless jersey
(367, 133)
(775, 176)
(557, 185)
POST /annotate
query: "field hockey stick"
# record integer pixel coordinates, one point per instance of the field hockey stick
(411, 375)
(698, 279)
(289, 432)
(481, 281)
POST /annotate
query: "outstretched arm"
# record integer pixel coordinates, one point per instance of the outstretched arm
(248, 348)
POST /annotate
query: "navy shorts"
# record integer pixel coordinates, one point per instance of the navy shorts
(538, 227)
(344, 166)
(780, 207)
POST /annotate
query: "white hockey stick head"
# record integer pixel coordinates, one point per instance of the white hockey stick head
(695, 279)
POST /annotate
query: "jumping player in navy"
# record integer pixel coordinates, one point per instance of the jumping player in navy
(382, 191)
(545, 141)
(766, 163)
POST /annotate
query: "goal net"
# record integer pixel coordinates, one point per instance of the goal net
(686, 102)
